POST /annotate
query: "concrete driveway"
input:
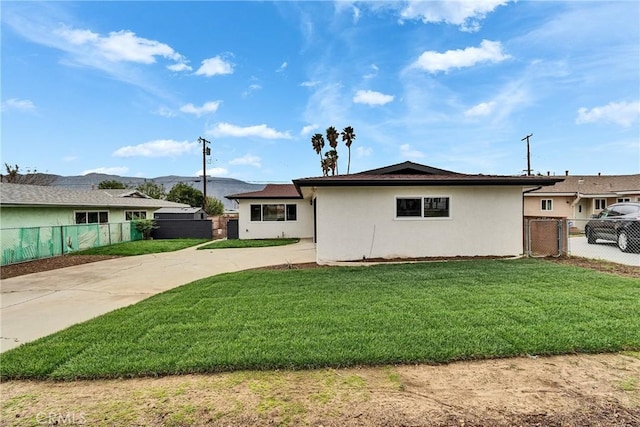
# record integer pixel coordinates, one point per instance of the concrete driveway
(40, 304)
(608, 251)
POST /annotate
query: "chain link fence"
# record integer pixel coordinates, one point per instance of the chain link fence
(603, 239)
(25, 244)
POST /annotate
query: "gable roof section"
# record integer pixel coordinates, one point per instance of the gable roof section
(407, 168)
(37, 195)
(270, 191)
(185, 210)
(592, 185)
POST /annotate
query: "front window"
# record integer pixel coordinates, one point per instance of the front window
(547, 205)
(623, 200)
(422, 207)
(133, 215)
(92, 217)
(601, 204)
(274, 212)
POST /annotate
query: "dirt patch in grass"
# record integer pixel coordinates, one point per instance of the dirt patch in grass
(578, 390)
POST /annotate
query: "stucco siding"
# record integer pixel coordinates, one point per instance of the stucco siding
(357, 222)
(302, 227)
(561, 206)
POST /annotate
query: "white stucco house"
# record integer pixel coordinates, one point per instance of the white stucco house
(405, 210)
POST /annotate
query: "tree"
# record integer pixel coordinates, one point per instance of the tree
(348, 136)
(183, 193)
(152, 189)
(330, 162)
(332, 137)
(111, 184)
(317, 141)
(214, 207)
(12, 173)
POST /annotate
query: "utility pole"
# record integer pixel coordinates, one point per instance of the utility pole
(528, 154)
(206, 151)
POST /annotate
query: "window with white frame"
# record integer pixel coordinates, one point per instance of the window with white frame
(422, 207)
(600, 204)
(623, 199)
(546, 205)
(274, 212)
(133, 215)
(91, 217)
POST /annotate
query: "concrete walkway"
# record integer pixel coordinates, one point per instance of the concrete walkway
(39, 304)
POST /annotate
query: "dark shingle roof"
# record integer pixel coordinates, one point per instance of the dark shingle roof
(36, 195)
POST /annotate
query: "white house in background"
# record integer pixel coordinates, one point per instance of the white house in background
(276, 211)
(580, 196)
(405, 210)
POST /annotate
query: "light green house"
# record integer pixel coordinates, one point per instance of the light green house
(39, 221)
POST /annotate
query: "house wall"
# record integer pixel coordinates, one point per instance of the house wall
(24, 217)
(561, 206)
(357, 222)
(301, 228)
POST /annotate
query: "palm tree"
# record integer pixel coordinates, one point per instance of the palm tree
(332, 137)
(348, 136)
(317, 141)
(331, 159)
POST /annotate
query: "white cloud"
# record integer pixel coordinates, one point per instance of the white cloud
(213, 66)
(466, 14)
(15, 104)
(158, 148)
(116, 170)
(310, 83)
(364, 151)
(121, 46)
(207, 107)
(370, 97)
(308, 129)
(373, 73)
(248, 159)
(213, 172)
(406, 151)
(282, 67)
(489, 51)
(179, 67)
(252, 88)
(259, 131)
(481, 110)
(620, 113)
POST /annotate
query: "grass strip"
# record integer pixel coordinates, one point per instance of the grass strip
(343, 316)
(249, 243)
(142, 247)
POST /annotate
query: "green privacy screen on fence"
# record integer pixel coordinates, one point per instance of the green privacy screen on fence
(24, 244)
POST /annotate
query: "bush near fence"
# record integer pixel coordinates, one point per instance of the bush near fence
(29, 243)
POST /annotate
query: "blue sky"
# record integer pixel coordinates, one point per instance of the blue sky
(128, 87)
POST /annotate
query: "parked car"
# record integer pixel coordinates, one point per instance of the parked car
(618, 223)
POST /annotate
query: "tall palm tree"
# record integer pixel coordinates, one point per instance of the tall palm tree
(348, 136)
(317, 141)
(332, 137)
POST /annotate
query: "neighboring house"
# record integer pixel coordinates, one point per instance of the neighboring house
(188, 213)
(405, 210)
(23, 206)
(580, 196)
(278, 210)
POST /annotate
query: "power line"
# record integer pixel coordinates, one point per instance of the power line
(528, 154)
(206, 151)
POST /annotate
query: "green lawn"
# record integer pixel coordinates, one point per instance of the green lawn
(344, 316)
(251, 243)
(142, 247)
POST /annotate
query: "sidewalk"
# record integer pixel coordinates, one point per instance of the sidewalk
(40, 304)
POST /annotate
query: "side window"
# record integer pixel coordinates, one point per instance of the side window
(546, 205)
(292, 212)
(408, 207)
(256, 212)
